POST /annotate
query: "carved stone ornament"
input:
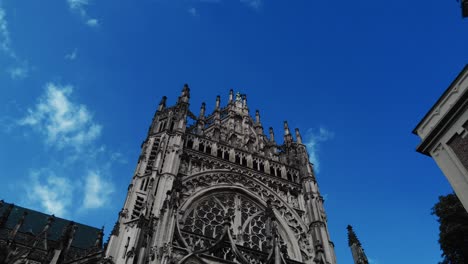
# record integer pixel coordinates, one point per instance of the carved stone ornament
(222, 179)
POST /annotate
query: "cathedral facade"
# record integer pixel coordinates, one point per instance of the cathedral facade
(213, 188)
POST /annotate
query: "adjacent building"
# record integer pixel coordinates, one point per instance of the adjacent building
(28, 236)
(443, 132)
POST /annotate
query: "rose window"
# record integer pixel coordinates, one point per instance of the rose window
(203, 223)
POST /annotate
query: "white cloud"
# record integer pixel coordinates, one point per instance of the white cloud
(56, 195)
(313, 140)
(21, 70)
(193, 11)
(255, 4)
(92, 22)
(97, 190)
(118, 157)
(5, 40)
(53, 194)
(18, 72)
(79, 7)
(72, 55)
(63, 122)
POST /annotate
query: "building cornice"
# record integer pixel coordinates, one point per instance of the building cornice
(452, 86)
(443, 124)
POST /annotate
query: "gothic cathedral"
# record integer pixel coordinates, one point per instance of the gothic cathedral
(214, 188)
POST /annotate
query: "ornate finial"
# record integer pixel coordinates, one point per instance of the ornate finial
(67, 235)
(352, 238)
(185, 94)
(287, 134)
(244, 100)
(298, 136)
(202, 110)
(286, 128)
(231, 95)
(218, 102)
(238, 97)
(100, 235)
(257, 117)
(50, 220)
(18, 226)
(163, 100)
(356, 248)
(162, 104)
(272, 135)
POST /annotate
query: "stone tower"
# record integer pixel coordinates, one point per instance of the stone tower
(359, 256)
(213, 188)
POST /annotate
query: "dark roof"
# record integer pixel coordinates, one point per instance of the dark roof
(85, 236)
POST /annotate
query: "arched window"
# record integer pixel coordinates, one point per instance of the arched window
(203, 222)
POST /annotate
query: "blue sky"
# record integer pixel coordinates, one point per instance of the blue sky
(81, 79)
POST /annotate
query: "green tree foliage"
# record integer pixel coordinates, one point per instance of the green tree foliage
(453, 236)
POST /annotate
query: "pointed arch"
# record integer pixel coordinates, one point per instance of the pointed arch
(285, 231)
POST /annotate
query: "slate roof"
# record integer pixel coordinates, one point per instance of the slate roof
(85, 236)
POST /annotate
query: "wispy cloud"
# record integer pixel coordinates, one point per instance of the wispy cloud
(255, 4)
(92, 22)
(193, 11)
(314, 138)
(52, 193)
(72, 55)
(19, 71)
(68, 125)
(374, 261)
(5, 40)
(97, 190)
(63, 122)
(118, 157)
(80, 7)
(21, 68)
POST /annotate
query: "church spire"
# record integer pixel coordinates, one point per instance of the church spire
(298, 136)
(231, 96)
(202, 111)
(257, 117)
(162, 104)
(218, 102)
(185, 94)
(287, 133)
(356, 248)
(272, 135)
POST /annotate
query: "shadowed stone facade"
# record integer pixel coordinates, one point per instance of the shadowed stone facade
(215, 189)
